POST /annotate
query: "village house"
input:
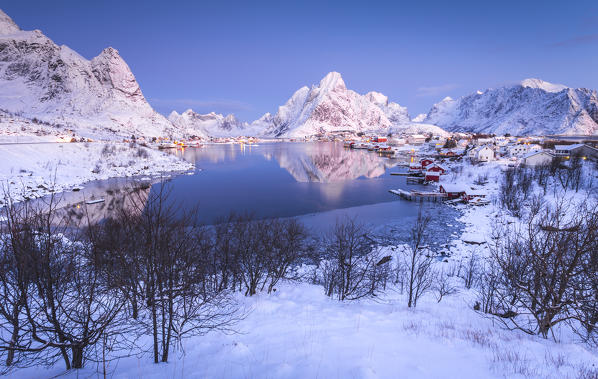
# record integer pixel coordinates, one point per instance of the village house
(537, 158)
(435, 167)
(432, 176)
(521, 149)
(481, 154)
(417, 139)
(578, 149)
(424, 162)
(453, 191)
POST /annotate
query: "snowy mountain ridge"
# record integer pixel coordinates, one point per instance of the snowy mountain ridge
(98, 98)
(531, 107)
(331, 107)
(213, 124)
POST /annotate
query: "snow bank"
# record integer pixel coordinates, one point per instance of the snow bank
(34, 170)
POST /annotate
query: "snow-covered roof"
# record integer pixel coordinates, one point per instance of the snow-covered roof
(568, 147)
(532, 153)
(436, 165)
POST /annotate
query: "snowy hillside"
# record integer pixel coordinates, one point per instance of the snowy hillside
(33, 170)
(331, 107)
(97, 98)
(530, 107)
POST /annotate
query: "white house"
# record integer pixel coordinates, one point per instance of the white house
(520, 150)
(481, 154)
(537, 158)
(417, 139)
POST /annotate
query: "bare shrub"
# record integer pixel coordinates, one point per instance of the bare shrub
(142, 153)
(353, 268)
(443, 285)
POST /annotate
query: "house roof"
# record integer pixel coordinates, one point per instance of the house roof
(436, 165)
(532, 153)
(568, 147)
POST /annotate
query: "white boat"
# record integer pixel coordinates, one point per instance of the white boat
(90, 202)
(167, 145)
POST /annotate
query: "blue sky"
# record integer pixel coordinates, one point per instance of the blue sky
(249, 57)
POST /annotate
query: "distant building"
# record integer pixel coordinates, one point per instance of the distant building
(417, 139)
(578, 149)
(483, 141)
(453, 191)
(521, 149)
(537, 158)
(432, 176)
(481, 154)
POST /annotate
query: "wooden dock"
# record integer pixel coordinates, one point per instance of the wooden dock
(419, 195)
(416, 180)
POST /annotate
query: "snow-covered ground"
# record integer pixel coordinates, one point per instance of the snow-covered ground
(298, 332)
(32, 170)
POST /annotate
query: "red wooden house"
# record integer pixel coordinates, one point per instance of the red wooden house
(432, 176)
(425, 162)
(435, 167)
(453, 191)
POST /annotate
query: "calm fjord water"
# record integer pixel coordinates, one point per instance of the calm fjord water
(318, 182)
(283, 179)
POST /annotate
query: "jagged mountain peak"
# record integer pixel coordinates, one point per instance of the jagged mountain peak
(111, 70)
(543, 85)
(7, 25)
(377, 98)
(333, 81)
(98, 98)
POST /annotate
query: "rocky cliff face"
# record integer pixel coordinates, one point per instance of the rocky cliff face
(530, 107)
(99, 98)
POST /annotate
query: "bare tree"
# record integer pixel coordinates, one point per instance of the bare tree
(352, 269)
(163, 268)
(418, 260)
(539, 265)
(64, 306)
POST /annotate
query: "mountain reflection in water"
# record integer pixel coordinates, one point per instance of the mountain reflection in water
(282, 179)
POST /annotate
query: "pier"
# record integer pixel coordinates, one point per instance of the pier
(419, 195)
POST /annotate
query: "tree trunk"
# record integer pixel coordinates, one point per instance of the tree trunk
(77, 359)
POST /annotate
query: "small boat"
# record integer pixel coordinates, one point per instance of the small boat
(167, 145)
(77, 189)
(90, 202)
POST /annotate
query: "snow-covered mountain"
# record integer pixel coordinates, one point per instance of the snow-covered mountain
(97, 98)
(331, 107)
(530, 107)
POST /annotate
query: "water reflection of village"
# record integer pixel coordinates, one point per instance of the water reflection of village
(100, 200)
